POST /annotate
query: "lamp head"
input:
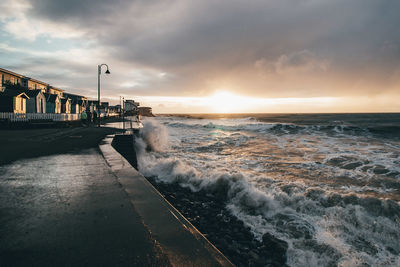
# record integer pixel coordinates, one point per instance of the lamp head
(107, 71)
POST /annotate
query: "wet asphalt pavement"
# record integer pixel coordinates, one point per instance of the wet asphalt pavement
(69, 210)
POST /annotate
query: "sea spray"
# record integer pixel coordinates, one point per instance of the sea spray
(154, 135)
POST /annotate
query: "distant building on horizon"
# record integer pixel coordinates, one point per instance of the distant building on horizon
(146, 111)
(131, 105)
(114, 109)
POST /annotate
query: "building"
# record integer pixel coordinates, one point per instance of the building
(92, 105)
(104, 108)
(55, 91)
(10, 78)
(75, 105)
(14, 87)
(114, 109)
(21, 94)
(53, 103)
(65, 105)
(78, 102)
(131, 106)
(33, 84)
(36, 102)
(146, 111)
(13, 101)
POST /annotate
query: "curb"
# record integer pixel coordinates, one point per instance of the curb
(182, 243)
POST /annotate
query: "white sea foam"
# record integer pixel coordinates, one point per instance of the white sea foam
(154, 135)
(309, 188)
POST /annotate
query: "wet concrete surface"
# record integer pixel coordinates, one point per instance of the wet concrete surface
(31, 143)
(70, 210)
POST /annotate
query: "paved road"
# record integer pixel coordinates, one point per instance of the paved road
(69, 210)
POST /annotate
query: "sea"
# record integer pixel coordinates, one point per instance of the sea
(326, 184)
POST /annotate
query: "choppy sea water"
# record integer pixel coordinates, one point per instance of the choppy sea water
(328, 185)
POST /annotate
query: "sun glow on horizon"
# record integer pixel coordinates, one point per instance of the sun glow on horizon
(226, 102)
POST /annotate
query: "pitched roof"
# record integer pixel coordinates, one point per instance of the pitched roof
(51, 97)
(72, 96)
(32, 93)
(65, 100)
(11, 73)
(36, 81)
(12, 93)
(75, 99)
(55, 88)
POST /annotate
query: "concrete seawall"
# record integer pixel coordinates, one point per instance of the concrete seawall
(181, 242)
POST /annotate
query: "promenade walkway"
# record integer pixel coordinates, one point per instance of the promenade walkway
(69, 210)
(91, 208)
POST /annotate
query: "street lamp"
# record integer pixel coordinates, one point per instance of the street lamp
(98, 86)
(123, 113)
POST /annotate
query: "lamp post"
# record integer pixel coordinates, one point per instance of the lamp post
(120, 106)
(98, 87)
(123, 113)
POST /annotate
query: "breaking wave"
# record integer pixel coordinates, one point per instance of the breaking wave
(312, 204)
(154, 135)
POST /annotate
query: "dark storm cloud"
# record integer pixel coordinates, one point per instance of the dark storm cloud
(199, 41)
(82, 11)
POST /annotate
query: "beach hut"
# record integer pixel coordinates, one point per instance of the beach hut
(75, 106)
(83, 103)
(36, 102)
(78, 102)
(13, 101)
(53, 103)
(65, 105)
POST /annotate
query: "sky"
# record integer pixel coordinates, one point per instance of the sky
(286, 56)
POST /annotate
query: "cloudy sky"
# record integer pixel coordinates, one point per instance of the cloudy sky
(212, 56)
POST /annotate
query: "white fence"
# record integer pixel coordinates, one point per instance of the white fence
(39, 116)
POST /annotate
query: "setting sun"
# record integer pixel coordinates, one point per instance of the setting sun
(225, 102)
